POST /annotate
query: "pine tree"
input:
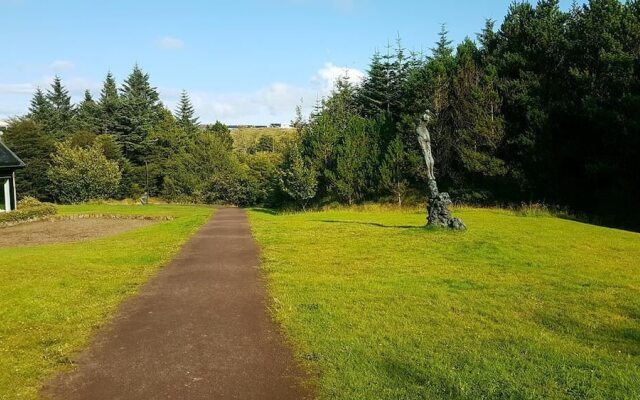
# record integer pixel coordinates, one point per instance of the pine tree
(87, 117)
(41, 110)
(185, 114)
(298, 178)
(62, 109)
(393, 171)
(373, 94)
(109, 106)
(352, 176)
(140, 110)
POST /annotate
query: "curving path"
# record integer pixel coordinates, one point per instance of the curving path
(198, 330)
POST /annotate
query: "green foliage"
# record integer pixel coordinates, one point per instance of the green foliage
(298, 178)
(354, 157)
(82, 174)
(29, 208)
(40, 110)
(140, 109)
(393, 170)
(185, 114)
(109, 106)
(87, 117)
(30, 142)
(223, 132)
(62, 110)
(192, 169)
(263, 168)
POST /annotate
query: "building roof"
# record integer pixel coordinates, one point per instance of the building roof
(8, 159)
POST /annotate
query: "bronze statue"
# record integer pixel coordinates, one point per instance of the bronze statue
(424, 138)
(438, 213)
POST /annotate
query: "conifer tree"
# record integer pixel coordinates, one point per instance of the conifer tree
(62, 109)
(109, 105)
(185, 114)
(40, 110)
(298, 178)
(393, 171)
(140, 110)
(87, 117)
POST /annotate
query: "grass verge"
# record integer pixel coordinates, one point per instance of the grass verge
(516, 307)
(52, 297)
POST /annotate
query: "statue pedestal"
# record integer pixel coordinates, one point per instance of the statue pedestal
(438, 213)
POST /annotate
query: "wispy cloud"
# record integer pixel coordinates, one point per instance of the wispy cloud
(273, 103)
(169, 43)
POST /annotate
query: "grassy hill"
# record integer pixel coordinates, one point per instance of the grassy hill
(516, 307)
(245, 138)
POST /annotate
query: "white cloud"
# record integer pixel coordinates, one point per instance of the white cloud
(274, 103)
(61, 65)
(328, 75)
(17, 88)
(169, 43)
(15, 97)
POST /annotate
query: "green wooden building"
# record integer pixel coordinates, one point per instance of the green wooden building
(9, 163)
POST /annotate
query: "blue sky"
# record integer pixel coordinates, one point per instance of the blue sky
(242, 61)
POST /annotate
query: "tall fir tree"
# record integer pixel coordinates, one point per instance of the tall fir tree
(140, 110)
(109, 105)
(185, 114)
(87, 117)
(40, 110)
(62, 111)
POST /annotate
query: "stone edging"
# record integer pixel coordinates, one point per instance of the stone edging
(52, 218)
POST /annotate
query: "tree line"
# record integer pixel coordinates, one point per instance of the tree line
(542, 108)
(127, 143)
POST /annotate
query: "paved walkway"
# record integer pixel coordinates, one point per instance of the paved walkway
(198, 330)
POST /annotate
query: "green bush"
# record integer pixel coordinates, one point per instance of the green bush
(83, 174)
(29, 208)
(237, 190)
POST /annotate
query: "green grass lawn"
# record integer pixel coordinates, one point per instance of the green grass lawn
(53, 297)
(516, 307)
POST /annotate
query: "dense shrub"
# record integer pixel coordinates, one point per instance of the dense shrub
(82, 174)
(29, 208)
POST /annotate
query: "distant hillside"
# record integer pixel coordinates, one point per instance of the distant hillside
(246, 139)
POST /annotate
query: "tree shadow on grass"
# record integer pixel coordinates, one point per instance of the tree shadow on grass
(377, 225)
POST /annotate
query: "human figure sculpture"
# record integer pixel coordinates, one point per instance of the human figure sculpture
(424, 138)
(438, 213)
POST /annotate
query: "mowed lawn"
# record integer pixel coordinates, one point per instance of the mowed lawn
(516, 307)
(53, 297)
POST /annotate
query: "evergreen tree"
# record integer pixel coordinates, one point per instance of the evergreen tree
(109, 106)
(223, 132)
(352, 177)
(298, 178)
(185, 114)
(374, 92)
(62, 109)
(34, 145)
(393, 171)
(140, 110)
(40, 110)
(87, 117)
